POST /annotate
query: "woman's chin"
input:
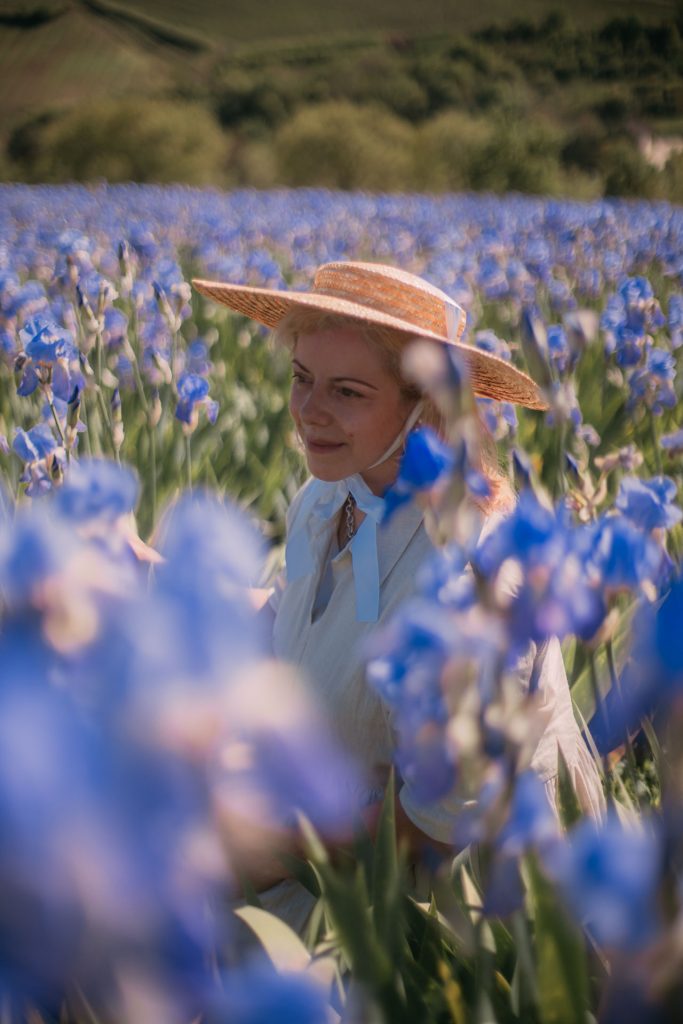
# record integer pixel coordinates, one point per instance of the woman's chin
(325, 473)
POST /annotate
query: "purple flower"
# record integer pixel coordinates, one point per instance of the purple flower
(115, 327)
(259, 994)
(31, 552)
(36, 444)
(406, 662)
(488, 341)
(525, 822)
(558, 593)
(649, 503)
(652, 383)
(624, 555)
(653, 674)
(47, 341)
(44, 458)
(198, 358)
(50, 358)
(97, 489)
(558, 349)
(500, 418)
(641, 309)
(608, 875)
(426, 460)
(193, 393)
(673, 443)
(675, 319)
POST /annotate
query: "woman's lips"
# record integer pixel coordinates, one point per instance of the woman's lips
(321, 447)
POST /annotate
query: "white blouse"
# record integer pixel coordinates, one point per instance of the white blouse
(330, 649)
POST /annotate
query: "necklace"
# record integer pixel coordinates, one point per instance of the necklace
(349, 506)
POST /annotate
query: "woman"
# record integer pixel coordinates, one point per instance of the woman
(353, 409)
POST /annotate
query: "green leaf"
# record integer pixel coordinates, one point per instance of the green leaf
(560, 955)
(386, 878)
(570, 811)
(386, 853)
(524, 987)
(302, 871)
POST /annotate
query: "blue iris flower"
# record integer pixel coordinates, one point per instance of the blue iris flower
(258, 994)
(50, 357)
(41, 453)
(97, 489)
(31, 552)
(673, 443)
(652, 383)
(426, 461)
(608, 875)
(558, 349)
(652, 676)
(649, 503)
(624, 555)
(558, 593)
(675, 319)
(193, 393)
(34, 444)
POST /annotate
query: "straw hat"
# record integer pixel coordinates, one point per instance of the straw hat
(379, 294)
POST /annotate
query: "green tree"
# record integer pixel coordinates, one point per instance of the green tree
(131, 140)
(446, 146)
(339, 145)
(625, 171)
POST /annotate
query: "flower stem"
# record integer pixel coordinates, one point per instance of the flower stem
(153, 471)
(560, 483)
(655, 445)
(616, 685)
(188, 460)
(599, 706)
(58, 425)
(106, 418)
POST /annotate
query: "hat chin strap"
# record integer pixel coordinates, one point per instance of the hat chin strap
(402, 434)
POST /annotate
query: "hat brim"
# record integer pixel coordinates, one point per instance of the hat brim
(490, 376)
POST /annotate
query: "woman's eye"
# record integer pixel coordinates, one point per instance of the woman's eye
(298, 378)
(349, 393)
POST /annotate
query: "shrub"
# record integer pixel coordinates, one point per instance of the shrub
(339, 145)
(446, 146)
(130, 140)
(626, 172)
(518, 156)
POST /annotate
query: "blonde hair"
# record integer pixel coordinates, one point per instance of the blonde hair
(390, 345)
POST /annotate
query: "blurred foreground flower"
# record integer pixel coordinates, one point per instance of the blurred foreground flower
(129, 716)
(609, 875)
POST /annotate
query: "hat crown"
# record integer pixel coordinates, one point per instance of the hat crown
(395, 293)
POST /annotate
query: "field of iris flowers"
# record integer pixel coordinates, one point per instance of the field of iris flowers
(148, 747)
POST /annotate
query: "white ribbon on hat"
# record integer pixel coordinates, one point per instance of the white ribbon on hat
(453, 320)
(402, 434)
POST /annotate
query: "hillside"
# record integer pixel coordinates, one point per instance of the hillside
(55, 53)
(386, 95)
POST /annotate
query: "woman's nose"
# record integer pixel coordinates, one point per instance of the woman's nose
(313, 408)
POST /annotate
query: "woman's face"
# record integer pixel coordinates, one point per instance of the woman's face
(347, 406)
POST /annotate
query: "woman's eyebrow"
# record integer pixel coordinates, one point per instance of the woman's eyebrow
(337, 380)
(355, 380)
